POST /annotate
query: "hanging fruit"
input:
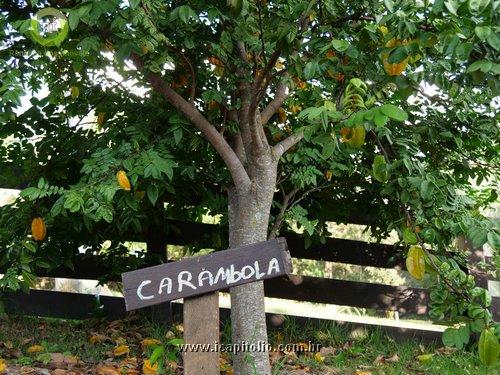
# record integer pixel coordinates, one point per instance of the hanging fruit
(415, 262)
(355, 137)
(394, 69)
(100, 118)
(380, 169)
(75, 92)
(328, 175)
(123, 180)
(38, 229)
(488, 347)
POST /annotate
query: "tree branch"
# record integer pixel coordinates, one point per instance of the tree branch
(281, 215)
(233, 163)
(279, 97)
(280, 148)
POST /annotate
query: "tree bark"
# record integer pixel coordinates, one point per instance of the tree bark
(248, 223)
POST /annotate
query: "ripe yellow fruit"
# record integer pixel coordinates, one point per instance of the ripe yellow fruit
(38, 229)
(396, 68)
(123, 180)
(35, 349)
(415, 262)
(75, 92)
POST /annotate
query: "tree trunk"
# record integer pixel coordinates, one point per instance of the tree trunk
(248, 223)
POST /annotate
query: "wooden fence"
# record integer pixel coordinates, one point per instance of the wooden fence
(405, 300)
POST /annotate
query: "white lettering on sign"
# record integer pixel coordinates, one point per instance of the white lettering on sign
(223, 275)
(139, 290)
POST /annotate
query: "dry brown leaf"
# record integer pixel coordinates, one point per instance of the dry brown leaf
(8, 344)
(121, 350)
(319, 358)
(326, 351)
(148, 369)
(146, 343)
(107, 370)
(97, 339)
(35, 349)
(169, 335)
(386, 359)
(275, 356)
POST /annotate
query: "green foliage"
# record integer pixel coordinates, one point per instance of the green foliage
(436, 122)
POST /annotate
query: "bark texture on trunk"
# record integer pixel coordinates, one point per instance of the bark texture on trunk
(248, 223)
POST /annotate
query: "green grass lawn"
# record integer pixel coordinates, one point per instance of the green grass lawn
(89, 347)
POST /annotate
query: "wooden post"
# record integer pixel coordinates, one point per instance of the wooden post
(201, 326)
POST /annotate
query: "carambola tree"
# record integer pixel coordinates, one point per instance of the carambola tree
(271, 114)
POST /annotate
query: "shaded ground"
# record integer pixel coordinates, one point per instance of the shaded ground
(57, 347)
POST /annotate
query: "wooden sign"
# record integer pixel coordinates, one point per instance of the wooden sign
(198, 275)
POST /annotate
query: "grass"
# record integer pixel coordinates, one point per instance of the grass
(346, 350)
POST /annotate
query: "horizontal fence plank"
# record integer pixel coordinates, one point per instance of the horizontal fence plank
(186, 233)
(62, 304)
(81, 306)
(66, 305)
(349, 293)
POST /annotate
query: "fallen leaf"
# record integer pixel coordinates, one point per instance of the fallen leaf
(96, 339)
(326, 351)
(148, 369)
(146, 343)
(387, 359)
(59, 372)
(358, 372)
(35, 349)
(8, 344)
(121, 350)
(275, 356)
(3, 366)
(425, 358)
(169, 335)
(319, 358)
(107, 370)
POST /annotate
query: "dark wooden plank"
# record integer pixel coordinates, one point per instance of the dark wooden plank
(349, 293)
(198, 275)
(346, 251)
(63, 305)
(201, 326)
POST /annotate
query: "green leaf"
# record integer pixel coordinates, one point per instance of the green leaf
(389, 4)
(493, 240)
(483, 32)
(157, 353)
(310, 69)
(152, 192)
(409, 237)
(394, 112)
(134, 3)
(340, 45)
(380, 119)
(426, 189)
(380, 169)
(74, 19)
